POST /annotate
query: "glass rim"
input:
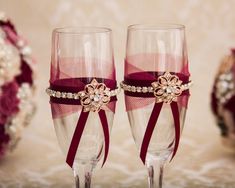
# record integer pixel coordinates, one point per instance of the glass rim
(82, 30)
(156, 27)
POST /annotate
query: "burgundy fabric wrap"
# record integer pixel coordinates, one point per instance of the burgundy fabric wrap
(74, 85)
(143, 79)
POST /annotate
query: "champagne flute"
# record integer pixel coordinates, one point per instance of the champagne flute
(156, 92)
(82, 96)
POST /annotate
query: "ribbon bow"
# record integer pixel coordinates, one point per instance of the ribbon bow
(93, 96)
(165, 90)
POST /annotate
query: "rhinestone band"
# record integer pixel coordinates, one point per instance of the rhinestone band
(149, 89)
(76, 96)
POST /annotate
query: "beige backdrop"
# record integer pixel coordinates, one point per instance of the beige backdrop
(201, 160)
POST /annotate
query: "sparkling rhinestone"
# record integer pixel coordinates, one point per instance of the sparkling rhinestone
(145, 89)
(169, 90)
(138, 89)
(150, 89)
(63, 95)
(97, 98)
(69, 95)
(53, 93)
(133, 88)
(58, 94)
(129, 88)
(50, 92)
(76, 96)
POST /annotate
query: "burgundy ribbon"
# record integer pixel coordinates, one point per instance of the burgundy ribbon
(74, 85)
(144, 79)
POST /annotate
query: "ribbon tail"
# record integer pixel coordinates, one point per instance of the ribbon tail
(104, 123)
(100, 152)
(76, 138)
(149, 130)
(176, 116)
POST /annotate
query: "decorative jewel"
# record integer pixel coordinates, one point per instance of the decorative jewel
(167, 88)
(77, 96)
(149, 89)
(96, 96)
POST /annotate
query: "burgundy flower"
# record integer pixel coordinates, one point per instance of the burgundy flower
(3, 118)
(26, 74)
(8, 101)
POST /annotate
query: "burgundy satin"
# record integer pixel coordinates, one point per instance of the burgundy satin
(144, 79)
(76, 138)
(149, 130)
(75, 85)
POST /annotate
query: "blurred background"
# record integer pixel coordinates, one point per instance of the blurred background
(201, 161)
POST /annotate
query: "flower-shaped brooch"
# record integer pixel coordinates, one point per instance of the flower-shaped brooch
(167, 88)
(95, 96)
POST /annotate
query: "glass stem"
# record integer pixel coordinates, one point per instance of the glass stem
(82, 175)
(155, 173)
